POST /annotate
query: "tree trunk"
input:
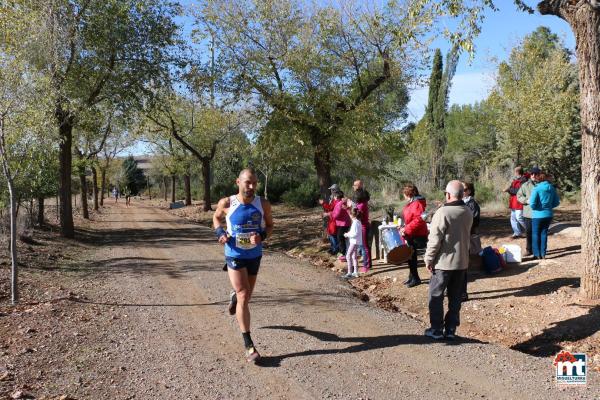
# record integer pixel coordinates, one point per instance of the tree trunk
(266, 186)
(165, 187)
(14, 276)
(84, 204)
(18, 206)
(13, 213)
(173, 178)
(434, 164)
(206, 184)
(31, 216)
(585, 24)
(102, 185)
(40, 213)
(95, 187)
(323, 166)
(584, 19)
(65, 158)
(188, 190)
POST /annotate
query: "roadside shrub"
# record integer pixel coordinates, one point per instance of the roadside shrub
(571, 197)
(434, 196)
(276, 187)
(221, 189)
(305, 195)
(486, 193)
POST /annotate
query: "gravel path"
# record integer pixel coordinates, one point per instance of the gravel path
(171, 337)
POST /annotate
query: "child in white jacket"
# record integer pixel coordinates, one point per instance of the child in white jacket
(354, 236)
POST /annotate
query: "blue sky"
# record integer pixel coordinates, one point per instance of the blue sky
(501, 31)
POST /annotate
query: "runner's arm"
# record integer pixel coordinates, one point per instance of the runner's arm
(268, 216)
(219, 217)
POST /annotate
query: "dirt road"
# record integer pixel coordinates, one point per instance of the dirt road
(171, 338)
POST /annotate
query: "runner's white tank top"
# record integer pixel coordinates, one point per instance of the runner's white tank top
(242, 220)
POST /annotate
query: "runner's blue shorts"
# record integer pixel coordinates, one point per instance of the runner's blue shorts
(251, 264)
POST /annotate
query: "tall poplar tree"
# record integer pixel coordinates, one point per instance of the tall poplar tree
(437, 108)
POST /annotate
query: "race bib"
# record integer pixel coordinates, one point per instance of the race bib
(242, 241)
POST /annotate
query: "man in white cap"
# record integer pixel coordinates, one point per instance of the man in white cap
(447, 258)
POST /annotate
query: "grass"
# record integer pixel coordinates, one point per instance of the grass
(495, 206)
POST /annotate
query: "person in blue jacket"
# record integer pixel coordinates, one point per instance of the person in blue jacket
(543, 199)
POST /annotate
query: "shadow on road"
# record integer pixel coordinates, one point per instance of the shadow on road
(535, 289)
(150, 237)
(563, 252)
(115, 304)
(300, 297)
(138, 265)
(548, 343)
(363, 343)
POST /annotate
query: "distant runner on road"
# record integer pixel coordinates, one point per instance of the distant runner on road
(248, 223)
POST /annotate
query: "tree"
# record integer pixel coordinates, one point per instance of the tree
(119, 140)
(539, 71)
(471, 134)
(96, 131)
(22, 116)
(92, 134)
(318, 68)
(170, 159)
(20, 125)
(39, 179)
(277, 148)
(437, 107)
(197, 129)
(134, 178)
(201, 110)
(100, 50)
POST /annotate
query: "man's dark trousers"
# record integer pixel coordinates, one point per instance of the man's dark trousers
(452, 281)
(528, 228)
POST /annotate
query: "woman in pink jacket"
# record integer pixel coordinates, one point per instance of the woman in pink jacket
(342, 221)
(361, 201)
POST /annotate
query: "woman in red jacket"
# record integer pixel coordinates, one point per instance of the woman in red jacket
(415, 229)
(331, 227)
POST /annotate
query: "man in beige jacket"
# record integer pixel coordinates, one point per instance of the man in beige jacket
(447, 258)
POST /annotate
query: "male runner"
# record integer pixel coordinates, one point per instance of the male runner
(249, 222)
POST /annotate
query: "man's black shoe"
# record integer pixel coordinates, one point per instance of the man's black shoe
(450, 334)
(436, 334)
(413, 283)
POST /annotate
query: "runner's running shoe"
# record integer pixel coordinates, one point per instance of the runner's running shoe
(232, 303)
(251, 354)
